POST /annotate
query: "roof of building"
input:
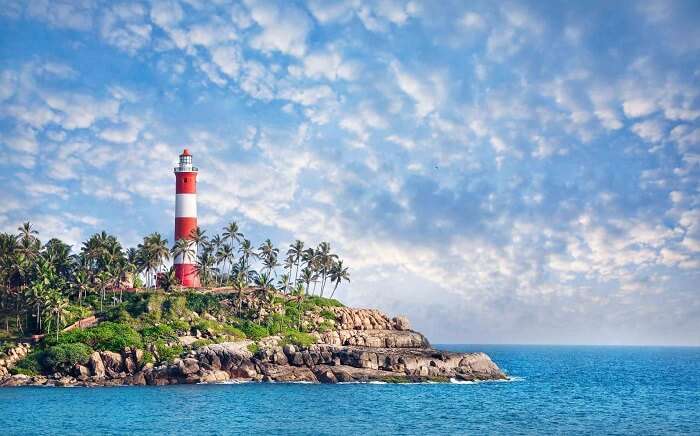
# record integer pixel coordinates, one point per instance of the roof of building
(185, 152)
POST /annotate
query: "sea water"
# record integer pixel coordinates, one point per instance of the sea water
(554, 390)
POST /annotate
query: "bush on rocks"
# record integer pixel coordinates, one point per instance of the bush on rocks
(63, 357)
(108, 336)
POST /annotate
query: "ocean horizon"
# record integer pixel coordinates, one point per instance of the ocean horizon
(553, 390)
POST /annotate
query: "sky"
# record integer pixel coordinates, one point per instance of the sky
(498, 172)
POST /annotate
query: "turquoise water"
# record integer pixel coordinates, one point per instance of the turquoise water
(557, 390)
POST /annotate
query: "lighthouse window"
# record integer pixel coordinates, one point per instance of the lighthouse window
(186, 180)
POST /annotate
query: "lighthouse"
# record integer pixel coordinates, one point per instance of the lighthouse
(186, 218)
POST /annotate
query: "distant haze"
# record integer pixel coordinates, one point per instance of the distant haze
(501, 173)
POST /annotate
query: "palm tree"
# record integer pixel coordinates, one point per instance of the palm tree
(198, 236)
(182, 249)
(158, 247)
(307, 276)
(225, 255)
(240, 283)
(55, 309)
(205, 265)
(27, 232)
(338, 273)
(294, 254)
(170, 280)
(283, 282)
(325, 261)
(232, 233)
(80, 283)
(270, 263)
(247, 251)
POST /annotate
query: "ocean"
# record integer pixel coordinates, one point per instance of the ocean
(554, 390)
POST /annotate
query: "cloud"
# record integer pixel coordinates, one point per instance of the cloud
(650, 130)
(283, 28)
(77, 15)
(124, 26)
(638, 107)
(426, 94)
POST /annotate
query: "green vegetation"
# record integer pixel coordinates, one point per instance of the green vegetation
(45, 287)
(168, 353)
(65, 356)
(253, 331)
(108, 336)
(30, 365)
(254, 348)
(396, 379)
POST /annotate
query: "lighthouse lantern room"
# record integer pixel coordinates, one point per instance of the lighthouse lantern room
(186, 218)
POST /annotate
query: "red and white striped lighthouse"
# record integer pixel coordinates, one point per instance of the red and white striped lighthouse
(186, 217)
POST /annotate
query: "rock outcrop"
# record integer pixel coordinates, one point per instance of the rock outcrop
(364, 345)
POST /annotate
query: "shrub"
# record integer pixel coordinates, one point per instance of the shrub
(63, 357)
(168, 353)
(327, 314)
(323, 302)
(278, 323)
(154, 305)
(201, 343)
(176, 306)
(180, 327)
(233, 331)
(253, 348)
(298, 338)
(30, 364)
(253, 331)
(162, 332)
(148, 357)
(208, 324)
(201, 303)
(109, 335)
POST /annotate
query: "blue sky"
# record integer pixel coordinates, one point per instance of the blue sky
(499, 172)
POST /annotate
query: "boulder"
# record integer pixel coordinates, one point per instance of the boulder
(16, 380)
(401, 323)
(188, 366)
(129, 365)
(96, 365)
(81, 372)
(214, 376)
(113, 361)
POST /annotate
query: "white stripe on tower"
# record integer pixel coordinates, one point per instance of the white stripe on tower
(185, 206)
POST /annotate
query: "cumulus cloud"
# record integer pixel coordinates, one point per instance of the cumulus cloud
(530, 184)
(284, 28)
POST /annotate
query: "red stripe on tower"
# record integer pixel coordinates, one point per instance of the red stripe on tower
(186, 217)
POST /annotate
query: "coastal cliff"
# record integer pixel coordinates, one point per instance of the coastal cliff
(345, 345)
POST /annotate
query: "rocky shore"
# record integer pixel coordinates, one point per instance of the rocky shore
(364, 345)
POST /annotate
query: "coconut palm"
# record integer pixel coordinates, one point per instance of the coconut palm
(27, 231)
(338, 273)
(307, 276)
(225, 256)
(240, 283)
(169, 280)
(247, 251)
(55, 310)
(198, 236)
(294, 255)
(232, 233)
(182, 249)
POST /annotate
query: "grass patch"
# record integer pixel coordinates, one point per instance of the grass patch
(109, 336)
(253, 348)
(252, 330)
(298, 338)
